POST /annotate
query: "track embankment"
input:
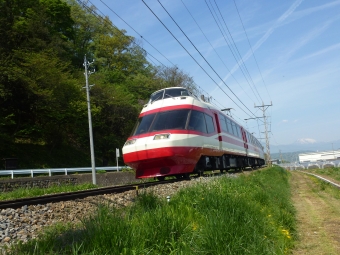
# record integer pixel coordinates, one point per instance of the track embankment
(318, 213)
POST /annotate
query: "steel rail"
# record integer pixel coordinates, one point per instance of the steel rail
(323, 179)
(17, 203)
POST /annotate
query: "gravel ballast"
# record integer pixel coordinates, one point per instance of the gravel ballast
(25, 223)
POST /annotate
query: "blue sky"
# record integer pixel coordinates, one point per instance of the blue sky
(296, 44)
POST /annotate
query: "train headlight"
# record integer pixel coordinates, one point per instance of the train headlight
(129, 142)
(161, 136)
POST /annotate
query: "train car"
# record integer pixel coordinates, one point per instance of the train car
(178, 134)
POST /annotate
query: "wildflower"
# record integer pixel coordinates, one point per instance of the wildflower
(286, 233)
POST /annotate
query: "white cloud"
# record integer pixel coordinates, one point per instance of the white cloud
(285, 121)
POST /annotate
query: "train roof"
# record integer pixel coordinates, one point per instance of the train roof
(199, 101)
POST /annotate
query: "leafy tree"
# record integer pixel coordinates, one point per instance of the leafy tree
(42, 46)
(87, 26)
(34, 25)
(174, 77)
(33, 78)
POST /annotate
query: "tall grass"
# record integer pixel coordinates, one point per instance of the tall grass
(246, 215)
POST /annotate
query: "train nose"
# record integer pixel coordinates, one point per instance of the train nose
(165, 170)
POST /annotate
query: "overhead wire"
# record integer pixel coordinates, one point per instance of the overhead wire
(232, 46)
(215, 50)
(251, 48)
(136, 31)
(252, 51)
(232, 38)
(99, 17)
(92, 11)
(201, 56)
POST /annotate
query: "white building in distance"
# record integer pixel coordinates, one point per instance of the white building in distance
(319, 156)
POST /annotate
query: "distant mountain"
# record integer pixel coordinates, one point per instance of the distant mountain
(305, 145)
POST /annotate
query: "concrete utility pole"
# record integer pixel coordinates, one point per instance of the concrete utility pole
(87, 74)
(263, 108)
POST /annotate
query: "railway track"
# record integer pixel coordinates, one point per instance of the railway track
(17, 203)
(323, 179)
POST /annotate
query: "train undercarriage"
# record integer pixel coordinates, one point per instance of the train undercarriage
(221, 163)
(226, 162)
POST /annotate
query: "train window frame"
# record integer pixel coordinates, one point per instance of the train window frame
(238, 130)
(230, 126)
(234, 128)
(193, 126)
(223, 123)
(158, 95)
(141, 123)
(175, 92)
(209, 121)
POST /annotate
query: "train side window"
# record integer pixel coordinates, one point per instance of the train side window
(247, 134)
(234, 128)
(223, 123)
(170, 120)
(197, 122)
(210, 123)
(144, 124)
(230, 128)
(238, 131)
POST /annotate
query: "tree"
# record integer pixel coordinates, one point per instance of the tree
(86, 28)
(174, 77)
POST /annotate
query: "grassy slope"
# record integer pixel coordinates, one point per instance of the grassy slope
(246, 215)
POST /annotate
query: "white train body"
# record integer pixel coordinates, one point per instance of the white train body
(178, 134)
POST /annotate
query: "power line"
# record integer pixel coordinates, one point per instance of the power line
(136, 32)
(143, 37)
(111, 25)
(215, 50)
(201, 56)
(234, 51)
(251, 47)
(99, 17)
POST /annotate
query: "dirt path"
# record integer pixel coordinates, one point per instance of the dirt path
(318, 216)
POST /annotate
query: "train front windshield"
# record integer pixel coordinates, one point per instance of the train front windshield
(162, 121)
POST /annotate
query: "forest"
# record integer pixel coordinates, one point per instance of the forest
(44, 117)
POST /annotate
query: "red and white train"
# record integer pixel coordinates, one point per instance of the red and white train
(178, 134)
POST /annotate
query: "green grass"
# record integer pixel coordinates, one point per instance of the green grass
(251, 214)
(333, 172)
(33, 192)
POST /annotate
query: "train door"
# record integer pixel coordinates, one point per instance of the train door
(245, 142)
(218, 132)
